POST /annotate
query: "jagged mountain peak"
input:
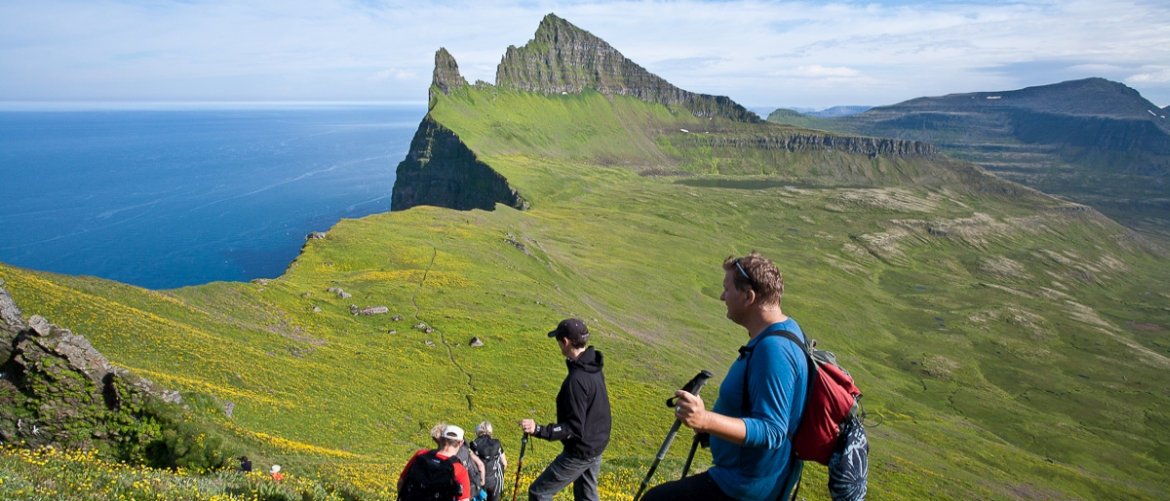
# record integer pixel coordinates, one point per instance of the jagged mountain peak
(446, 74)
(564, 59)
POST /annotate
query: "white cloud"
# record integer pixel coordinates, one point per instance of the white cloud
(817, 71)
(1155, 75)
(758, 52)
(396, 74)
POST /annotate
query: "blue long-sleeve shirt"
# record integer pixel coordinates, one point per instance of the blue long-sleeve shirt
(757, 470)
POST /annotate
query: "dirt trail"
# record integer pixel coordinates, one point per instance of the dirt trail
(442, 338)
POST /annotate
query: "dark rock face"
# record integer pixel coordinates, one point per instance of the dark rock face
(564, 58)
(870, 146)
(446, 74)
(58, 390)
(441, 171)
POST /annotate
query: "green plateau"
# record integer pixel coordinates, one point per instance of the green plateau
(1009, 344)
(1092, 141)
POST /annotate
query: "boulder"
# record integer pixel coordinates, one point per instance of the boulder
(369, 310)
(10, 314)
(476, 342)
(420, 326)
(316, 235)
(397, 318)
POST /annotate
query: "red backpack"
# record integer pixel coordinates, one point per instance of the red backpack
(831, 399)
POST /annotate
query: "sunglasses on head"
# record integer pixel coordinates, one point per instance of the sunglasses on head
(744, 273)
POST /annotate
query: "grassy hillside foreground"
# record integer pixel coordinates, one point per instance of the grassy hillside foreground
(1011, 345)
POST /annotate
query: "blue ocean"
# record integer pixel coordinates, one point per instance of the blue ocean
(170, 198)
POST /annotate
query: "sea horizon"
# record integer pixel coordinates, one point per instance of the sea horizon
(181, 105)
(165, 195)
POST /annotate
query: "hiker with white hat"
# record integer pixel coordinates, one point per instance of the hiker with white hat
(436, 474)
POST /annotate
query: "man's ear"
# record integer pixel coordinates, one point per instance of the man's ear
(749, 297)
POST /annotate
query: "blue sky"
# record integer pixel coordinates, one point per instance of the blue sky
(807, 54)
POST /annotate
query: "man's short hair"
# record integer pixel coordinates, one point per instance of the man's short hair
(445, 442)
(484, 428)
(757, 273)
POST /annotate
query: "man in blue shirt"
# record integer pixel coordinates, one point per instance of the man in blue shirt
(751, 444)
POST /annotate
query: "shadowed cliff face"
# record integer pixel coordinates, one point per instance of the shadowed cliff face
(441, 171)
(564, 58)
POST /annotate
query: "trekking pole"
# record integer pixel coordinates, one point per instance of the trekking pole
(519, 466)
(694, 386)
(690, 457)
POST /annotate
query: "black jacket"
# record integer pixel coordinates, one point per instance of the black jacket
(583, 418)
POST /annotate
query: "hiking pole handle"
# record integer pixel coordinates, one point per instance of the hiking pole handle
(694, 386)
(519, 465)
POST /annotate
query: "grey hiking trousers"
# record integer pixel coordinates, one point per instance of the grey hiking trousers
(563, 470)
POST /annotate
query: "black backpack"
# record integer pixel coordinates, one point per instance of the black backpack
(489, 451)
(430, 479)
(464, 458)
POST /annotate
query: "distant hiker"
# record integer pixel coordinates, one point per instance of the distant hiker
(432, 475)
(583, 419)
(276, 474)
(245, 464)
(750, 445)
(491, 452)
(475, 467)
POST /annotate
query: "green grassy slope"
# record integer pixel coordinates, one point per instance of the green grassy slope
(1015, 352)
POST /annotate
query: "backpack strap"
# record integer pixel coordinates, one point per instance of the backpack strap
(746, 353)
(792, 483)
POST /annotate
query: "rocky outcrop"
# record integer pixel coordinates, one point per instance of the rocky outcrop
(562, 58)
(869, 146)
(446, 76)
(56, 389)
(10, 314)
(441, 171)
(369, 310)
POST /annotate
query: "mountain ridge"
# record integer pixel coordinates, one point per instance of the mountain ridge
(564, 58)
(1094, 141)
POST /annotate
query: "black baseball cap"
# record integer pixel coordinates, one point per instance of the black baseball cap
(570, 328)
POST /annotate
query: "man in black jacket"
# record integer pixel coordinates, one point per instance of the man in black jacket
(583, 420)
